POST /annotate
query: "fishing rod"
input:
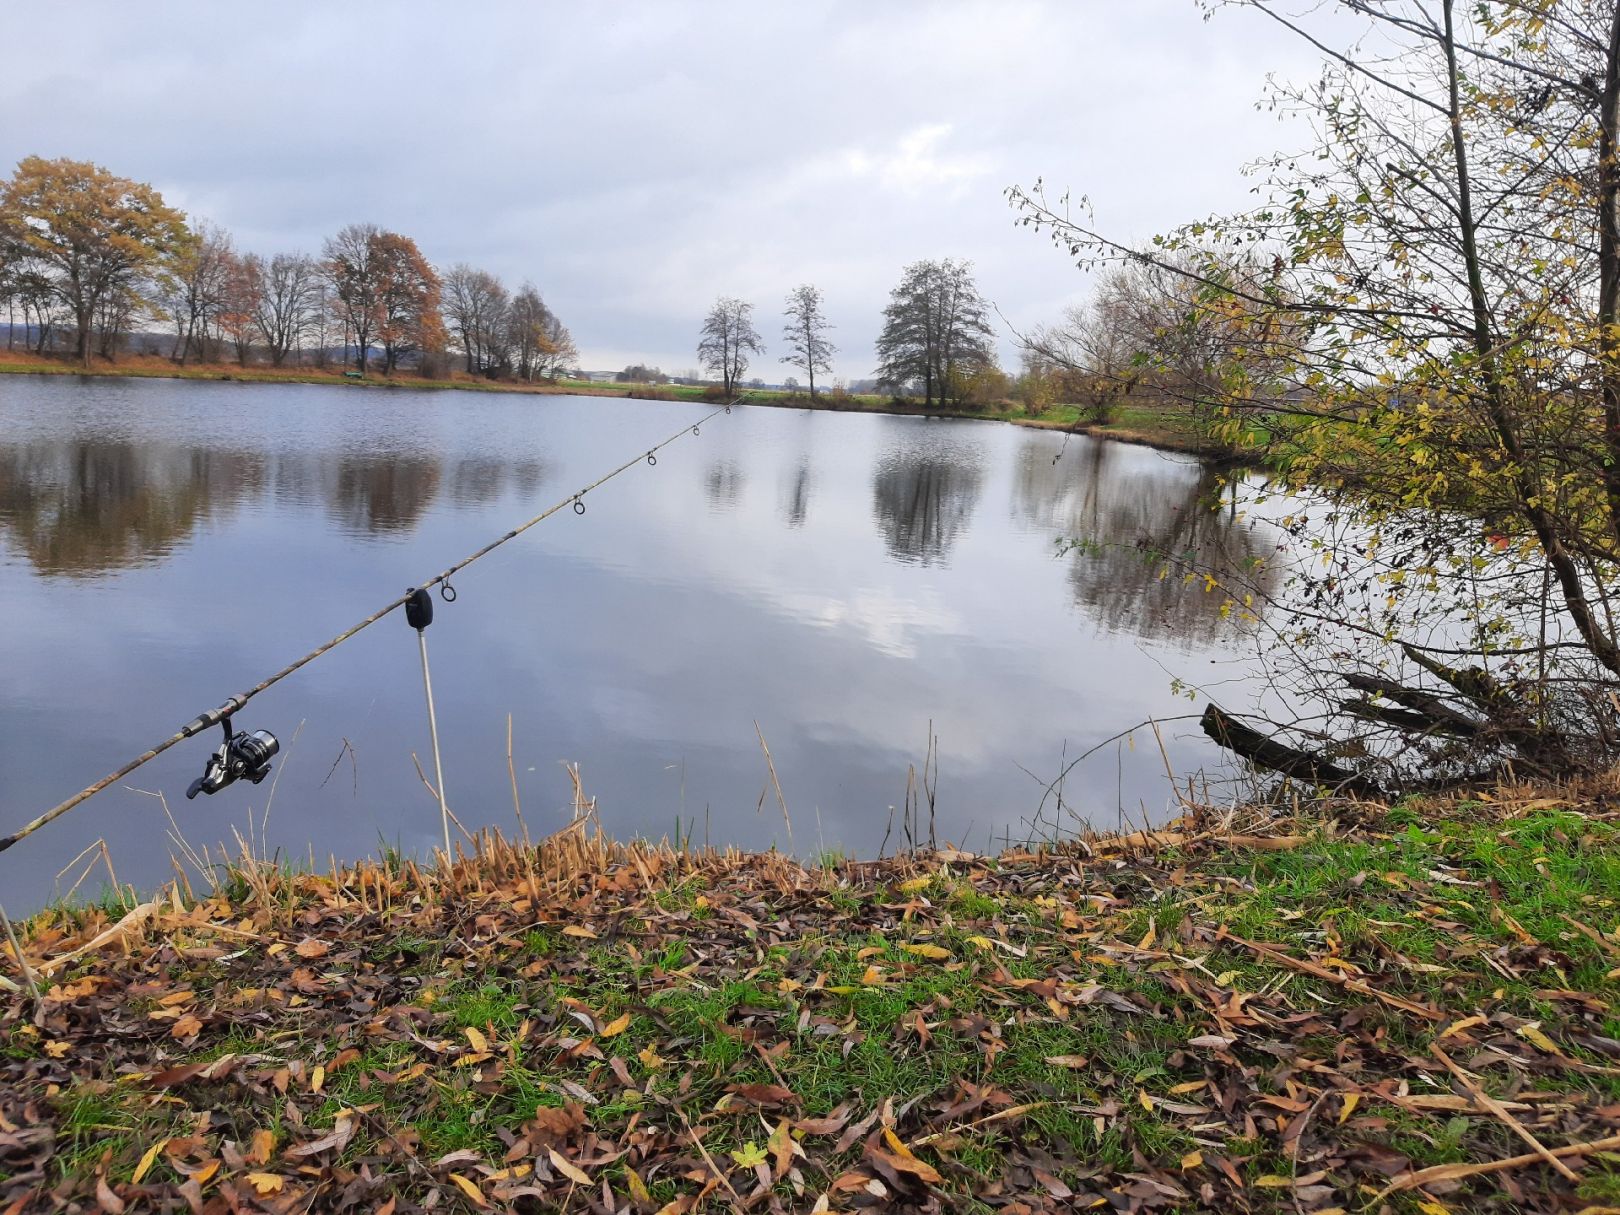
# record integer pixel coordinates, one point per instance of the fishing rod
(247, 756)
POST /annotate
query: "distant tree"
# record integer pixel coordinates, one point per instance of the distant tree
(791, 383)
(529, 331)
(192, 291)
(475, 307)
(289, 303)
(559, 353)
(91, 231)
(935, 330)
(728, 338)
(806, 324)
(351, 264)
(239, 313)
(640, 373)
(408, 296)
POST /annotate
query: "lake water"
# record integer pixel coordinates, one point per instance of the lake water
(843, 580)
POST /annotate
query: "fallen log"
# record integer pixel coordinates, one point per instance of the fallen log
(1266, 752)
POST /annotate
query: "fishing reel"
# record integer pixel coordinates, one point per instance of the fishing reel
(242, 756)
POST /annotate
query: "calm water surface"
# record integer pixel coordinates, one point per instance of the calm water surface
(841, 579)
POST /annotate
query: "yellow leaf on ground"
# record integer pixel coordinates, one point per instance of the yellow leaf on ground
(470, 1190)
(147, 1160)
(638, 1188)
(264, 1143)
(873, 977)
(1145, 1098)
(1532, 1033)
(574, 930)
(1273, 1182)
(571, 1171)
(1151, 936)
(933, 952)
(476, 1037)
(1434, 1208)
(616, 1026)
(913, 885)
(1457, 1027)
(317, 1078)
(1192, 1160)
(981, 942)
(266, 1183)
(1351, 1100)
(58, 1050)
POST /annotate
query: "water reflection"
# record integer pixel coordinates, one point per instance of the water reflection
(922, 500)
(724, 484)
(479, 480)
(85, 507)
(1130, 514)
(384, 494)
(796, 495)
(80, 508)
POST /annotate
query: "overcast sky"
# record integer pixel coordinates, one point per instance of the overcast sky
(634, 161)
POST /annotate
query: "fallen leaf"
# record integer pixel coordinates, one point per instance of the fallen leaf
(473, 1193)
(1073, 1061)
(934, 953)
(476, 1037)
(187, 1026)
(571, 1171)
(574, 930)
(309, 948)
(1351, 1100)
(147, 1161)
(266, 1183)
(616, 1026)
(1192, 1160)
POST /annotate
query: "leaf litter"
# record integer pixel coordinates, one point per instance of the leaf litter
(1354, 1008)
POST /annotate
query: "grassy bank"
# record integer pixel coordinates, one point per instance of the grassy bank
(1358, 1008)
(1153, 425)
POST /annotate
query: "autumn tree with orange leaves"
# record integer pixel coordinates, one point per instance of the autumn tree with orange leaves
(95, 233)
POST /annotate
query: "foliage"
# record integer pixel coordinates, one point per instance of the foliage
(936, 334)
(91, 235)
(1423, 315)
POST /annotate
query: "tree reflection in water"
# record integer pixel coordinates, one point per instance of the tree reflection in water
(922, 500)
(1135, 513)
(80, 508)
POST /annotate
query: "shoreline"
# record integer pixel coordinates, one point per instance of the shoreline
(1151, 428)
(1247, 1009)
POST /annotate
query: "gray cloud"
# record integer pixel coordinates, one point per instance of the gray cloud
(635, 160)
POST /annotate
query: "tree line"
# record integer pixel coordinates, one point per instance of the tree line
(89, 259)
(936, 342)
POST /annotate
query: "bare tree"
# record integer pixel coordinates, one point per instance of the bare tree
(351, 264)
(475, 306)
(288, 298)
(728, 338)
(194, 290)
(803, 332)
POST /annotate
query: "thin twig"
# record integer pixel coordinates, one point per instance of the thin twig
(1455, 1172)
(1496, 1107)
(16, 949)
